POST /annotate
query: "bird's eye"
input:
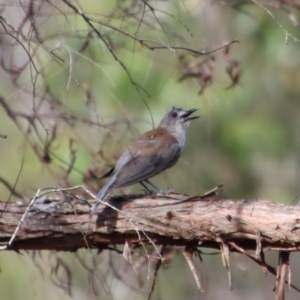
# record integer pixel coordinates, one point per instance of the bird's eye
(174, 114)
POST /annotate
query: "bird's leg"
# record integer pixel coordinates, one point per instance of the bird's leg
(152, 184)
(147, 190)
(156, 187)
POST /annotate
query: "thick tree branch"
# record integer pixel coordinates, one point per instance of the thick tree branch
(62, 222)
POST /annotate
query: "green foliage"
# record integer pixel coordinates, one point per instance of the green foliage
(98, 96)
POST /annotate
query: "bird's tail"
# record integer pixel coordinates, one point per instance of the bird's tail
(103, 192)
(101, 196)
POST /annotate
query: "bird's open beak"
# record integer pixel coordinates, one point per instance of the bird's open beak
(187, 113)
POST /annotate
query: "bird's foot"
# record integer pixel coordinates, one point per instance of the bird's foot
(164, 192)
(156, 192)
(149, 192)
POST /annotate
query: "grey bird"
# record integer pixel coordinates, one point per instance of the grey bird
(152, 153)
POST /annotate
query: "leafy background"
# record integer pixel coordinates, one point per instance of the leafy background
(247, 138)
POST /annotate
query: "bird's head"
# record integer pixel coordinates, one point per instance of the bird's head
(177, 119)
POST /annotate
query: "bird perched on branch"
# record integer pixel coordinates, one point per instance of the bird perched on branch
(152, 153)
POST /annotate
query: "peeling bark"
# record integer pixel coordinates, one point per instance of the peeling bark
(63, 223)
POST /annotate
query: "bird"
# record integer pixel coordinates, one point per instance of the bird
(152, 153)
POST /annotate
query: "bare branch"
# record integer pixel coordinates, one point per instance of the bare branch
(171, 219)
(188, 255)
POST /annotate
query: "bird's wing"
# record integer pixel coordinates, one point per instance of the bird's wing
(108, 173)
(132, 169)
